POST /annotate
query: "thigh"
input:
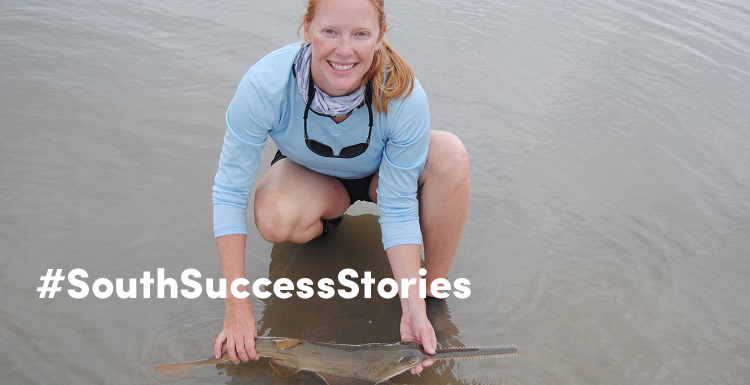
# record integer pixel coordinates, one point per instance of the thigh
(300, 192)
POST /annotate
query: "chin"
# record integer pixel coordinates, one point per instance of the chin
(347, 88)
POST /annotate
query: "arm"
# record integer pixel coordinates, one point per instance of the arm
(239, 319)
(405, 262)
(249, 118)
(404, 158)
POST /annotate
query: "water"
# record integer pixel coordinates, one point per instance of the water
(608, 230)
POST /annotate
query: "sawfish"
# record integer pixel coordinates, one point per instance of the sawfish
(341, 364)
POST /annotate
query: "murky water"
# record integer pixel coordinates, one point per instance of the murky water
(608, 231)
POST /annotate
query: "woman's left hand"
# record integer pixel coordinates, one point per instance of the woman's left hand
(416, 327)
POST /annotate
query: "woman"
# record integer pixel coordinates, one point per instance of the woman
(368, 138)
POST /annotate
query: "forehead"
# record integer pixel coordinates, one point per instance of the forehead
(356, 13)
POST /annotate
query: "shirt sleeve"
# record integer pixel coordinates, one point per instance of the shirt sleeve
(403, 161)
(249, 118)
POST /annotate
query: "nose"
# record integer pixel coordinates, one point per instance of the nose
(344, 48)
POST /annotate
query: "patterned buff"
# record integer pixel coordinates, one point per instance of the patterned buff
(324, 104)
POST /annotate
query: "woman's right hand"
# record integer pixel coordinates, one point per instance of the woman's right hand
(239, 332)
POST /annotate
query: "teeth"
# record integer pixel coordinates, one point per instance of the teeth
(476, 355)
(342, 68)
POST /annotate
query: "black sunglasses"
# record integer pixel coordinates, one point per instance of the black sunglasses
(326, 150)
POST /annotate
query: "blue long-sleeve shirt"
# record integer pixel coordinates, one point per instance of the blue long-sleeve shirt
(268, 103)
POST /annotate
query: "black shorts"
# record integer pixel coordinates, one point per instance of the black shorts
(358, 189)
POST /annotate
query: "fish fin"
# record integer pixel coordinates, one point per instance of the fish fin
(330, 379)
(286, 343)
(281, 369)
(183, 369)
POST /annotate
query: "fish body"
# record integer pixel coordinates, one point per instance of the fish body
(340, 364)
(369, 362)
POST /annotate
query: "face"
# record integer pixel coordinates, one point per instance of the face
(344, 35)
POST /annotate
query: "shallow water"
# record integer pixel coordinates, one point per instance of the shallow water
(608, 230)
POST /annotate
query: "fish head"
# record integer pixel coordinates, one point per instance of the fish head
(411, 358)
(374, 363)
(395, 364)
(409, 355)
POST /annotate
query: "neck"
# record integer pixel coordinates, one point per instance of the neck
(339, 119)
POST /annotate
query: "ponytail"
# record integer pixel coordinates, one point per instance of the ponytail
(398, 75)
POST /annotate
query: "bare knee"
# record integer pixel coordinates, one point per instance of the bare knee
(273, 218)
(447, 159)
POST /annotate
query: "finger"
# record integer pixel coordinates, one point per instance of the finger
(427, 363)
(231, 351)
(218, 343)
(241, 352)
(429, 341)
(250, 348)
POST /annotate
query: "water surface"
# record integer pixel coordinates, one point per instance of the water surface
(610, 160)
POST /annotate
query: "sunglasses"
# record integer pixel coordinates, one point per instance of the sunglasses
(325, 150)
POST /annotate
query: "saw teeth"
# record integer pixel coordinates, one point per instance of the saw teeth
(483, 347)
(481, 356)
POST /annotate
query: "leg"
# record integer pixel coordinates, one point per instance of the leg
(290, 201)
(443, 202)
(444, 191)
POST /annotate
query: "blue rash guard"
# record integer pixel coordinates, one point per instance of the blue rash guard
(268, 103)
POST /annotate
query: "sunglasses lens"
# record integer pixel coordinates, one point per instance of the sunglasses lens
(353, 150)
(320, 148)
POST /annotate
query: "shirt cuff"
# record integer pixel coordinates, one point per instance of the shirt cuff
(400, 233)
(401, 241)
(229, 219)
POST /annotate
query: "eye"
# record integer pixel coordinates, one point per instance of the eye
(362, 34)
(329, 31)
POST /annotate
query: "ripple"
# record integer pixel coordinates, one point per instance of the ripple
(181, 332)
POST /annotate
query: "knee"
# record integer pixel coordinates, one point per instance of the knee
(447, 158)
(272, 219)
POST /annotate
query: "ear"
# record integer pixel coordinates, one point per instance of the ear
(379, 44)
(306, 28)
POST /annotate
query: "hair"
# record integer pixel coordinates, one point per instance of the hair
(386, 64)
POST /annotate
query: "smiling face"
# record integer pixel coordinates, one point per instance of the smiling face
(344, 35)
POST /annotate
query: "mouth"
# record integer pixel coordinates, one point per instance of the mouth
(341, 67)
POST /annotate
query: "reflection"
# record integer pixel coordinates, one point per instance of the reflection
(355, 244)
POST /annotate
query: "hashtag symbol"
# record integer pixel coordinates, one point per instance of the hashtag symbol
(51, 282)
